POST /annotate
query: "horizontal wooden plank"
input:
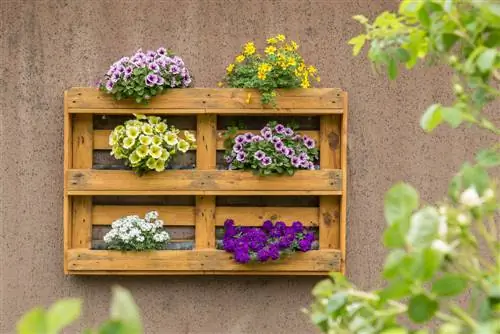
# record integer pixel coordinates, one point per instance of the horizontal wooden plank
(197, 260)
(101, 138)
(216, 98)
(172, 245)
(171, 215)
(205, 192)
(279, 111)
(254, 216)
(177, 233)
(149, 111)
(199, 182)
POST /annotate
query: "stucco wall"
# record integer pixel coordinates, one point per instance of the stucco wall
(49, 46)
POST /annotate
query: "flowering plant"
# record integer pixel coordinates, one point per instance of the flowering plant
(265, 243)
(148, 143)
(133, 233)
(277, 150)
(145, 75)
(281, 66)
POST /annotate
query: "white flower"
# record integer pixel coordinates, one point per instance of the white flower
(463, 219)
(441, 246)
(470, 198)
(128, 142)
(443, 210)
(152, 215)
(183, 146)
(443, 226)
(171, 138)
(488, 194)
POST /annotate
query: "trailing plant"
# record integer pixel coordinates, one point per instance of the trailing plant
(281, 66)
(278, 149)
(148, 143)
(144, 75)
(448, 249)
(132, 233)
(124, 316)
(269, 242)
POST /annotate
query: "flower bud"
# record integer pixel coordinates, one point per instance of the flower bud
(458, 89)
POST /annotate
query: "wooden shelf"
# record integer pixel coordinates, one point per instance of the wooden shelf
(92, 181)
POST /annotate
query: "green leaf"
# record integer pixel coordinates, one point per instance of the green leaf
(447, 41)
(452, 115)
(392, 69)
(323, 288)
(421, 308)
(423, 227)
(427, 264)
(357, 43)
(124, 309)
(394, 235)
(113, 327)
(336, 302)
(399, 203)
(488, 158)
(32, 322)
(423, 17)
(455, 187)
(398, 330)
(402, 55)
(360, 18)
(486, 60)
(393, 262)
(475, 176)
(410, 7)
(431, 118)
(396, 290)
(62, 313)
(449, 285)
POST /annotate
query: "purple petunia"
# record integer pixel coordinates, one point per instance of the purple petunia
(263, 255)
(279, 128)
(161, 81)
(276, 140)
(303, 156)
(128, 70)
(295, 161)
(240, 139)
(264, 130)
(267, 135)
(151, 79)
(266, 161)
(241, 256)
(186, 82)
(288, 132)
(297, 226)
(229, 159)
(248, 136)
(259, 155)
(267, 225)
(237, 148)
(278, 146)
(154, 67)
(150, 53)
(115, 76)
(175, 69)
(256, 139)
(309, 142)
(304, 245)
(178, 61)
(109, 85)
(241, 156)
(161, 51)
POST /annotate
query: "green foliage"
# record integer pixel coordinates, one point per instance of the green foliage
(435, 249)
(124, 318)
(280, 67)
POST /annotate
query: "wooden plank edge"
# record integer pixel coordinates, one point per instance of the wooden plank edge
(210, 111)
(195, 273)
(205, 192)
(343, 205)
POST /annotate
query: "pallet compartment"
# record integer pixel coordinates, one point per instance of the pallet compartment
(196, 195)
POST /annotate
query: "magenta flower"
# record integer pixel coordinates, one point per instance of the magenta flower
(309, 142)
(279, 128)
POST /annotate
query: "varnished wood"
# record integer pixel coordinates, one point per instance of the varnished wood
(343, 205)
(171, 215)
(254, 216)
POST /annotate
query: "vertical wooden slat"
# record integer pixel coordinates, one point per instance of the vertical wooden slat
(206, 159)
(343, 205)
(329, 206)
(68, 163)
(82, 158)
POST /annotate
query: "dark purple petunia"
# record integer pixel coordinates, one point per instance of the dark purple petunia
(295, 161)
(229, 159)
(151, 80)
(240, 139)
(128, 70)
(248, 136)
(154, 67)
(304, 245)
(175, 69)
(309, 142)
(259, 155)
(266, 161)
(161, 51)
(284, 243)
(274, 252)
(228, 244)
(228, 222)
(280, 226)
(237, 148)
(290, 153)
(278, 146)
(241, 156)
(309, 236)
(268, 136)
(242, 256)
(279, 128)
(288, 132)
(267, 225)
(297, 227)
(151, 53)
(263, 255)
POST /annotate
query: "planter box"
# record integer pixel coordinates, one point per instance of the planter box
(192, 196)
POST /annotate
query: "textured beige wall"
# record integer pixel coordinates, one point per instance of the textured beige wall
(49, 46)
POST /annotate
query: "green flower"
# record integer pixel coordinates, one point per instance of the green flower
(157, 140)
(142, 151)
(145, 140)
(154, 119)
(147, 129)
(133, 131)
(151, 163)
(128, 142)
(171, 138)
(165, 155)
(189, 136)
(113, 138)
(160, 166)
(155, 151)
(140, 116)
(120, 129)
(134, 158)
(183, 146)
(161, 127)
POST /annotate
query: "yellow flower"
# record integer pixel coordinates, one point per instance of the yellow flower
(294, 45)
(318, 79)
(249, 49)
(161, 127)
(165, 155)
(270, 50)
(145, 140)
(147, 129)
(264, 68)
(220, 84)
(140, 116)
(280, 37)
(154, 119)
(189, 136)
(142, 151)
(171, 138)
(157, 140)
(261, 75)
(120, 129)
(160, 165)
(240, 58)
(113, 138)
(312, 69)
(132, 132)
(272, 40)
(134, 158)
(292, 61)
(155, 151)
(183, 146)
(128, 142)
(305, 83)
(151, 163)
(230, 68)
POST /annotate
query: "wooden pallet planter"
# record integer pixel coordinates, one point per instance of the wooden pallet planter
(197, 195)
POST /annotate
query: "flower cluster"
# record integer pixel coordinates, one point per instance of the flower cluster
(276, 150)
(145, 75)
(133, 233)
(268, 242)
(148, 143)
(281, 66)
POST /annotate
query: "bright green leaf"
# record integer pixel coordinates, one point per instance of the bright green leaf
(423, 17)
(410, 7)
(427, 264)
(392, 69)
(33, 322)
(486, 60)
(452, 115)
(394, 235)
(394, 331)
(431, 118)
(124, 309)
(336, 302)
(62, 313)
(449, 285)
(396, 290)
(393, 262)
(357, 43)
(488, 158)
(399, 203)
(360, 18)
(475, 176)
(323, 288)
(421, 308)
(423, 227)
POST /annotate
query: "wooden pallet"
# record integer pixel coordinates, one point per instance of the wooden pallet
(194, 200)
